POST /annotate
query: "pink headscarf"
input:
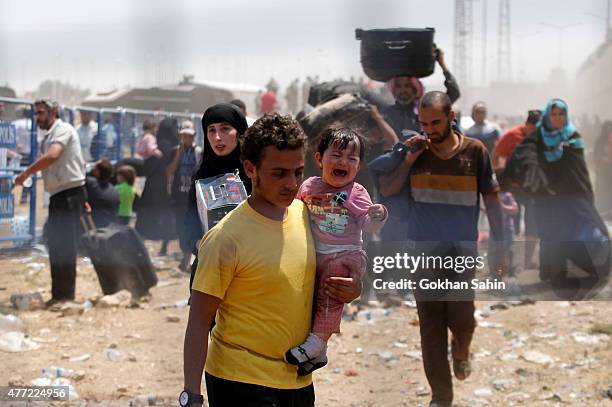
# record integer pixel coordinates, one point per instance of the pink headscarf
(417, 85)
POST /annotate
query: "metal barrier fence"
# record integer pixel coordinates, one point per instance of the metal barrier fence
(114, 139)
(18, 149)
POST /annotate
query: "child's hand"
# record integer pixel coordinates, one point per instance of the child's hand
(376, 212)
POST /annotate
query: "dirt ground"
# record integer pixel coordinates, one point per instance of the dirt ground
(543, 354)
(375, 362)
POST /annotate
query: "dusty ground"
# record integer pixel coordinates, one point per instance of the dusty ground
(373, 363)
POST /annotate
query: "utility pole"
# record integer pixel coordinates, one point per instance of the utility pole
(504, 51)
(608, 27)
(463, 41)
(484, 43)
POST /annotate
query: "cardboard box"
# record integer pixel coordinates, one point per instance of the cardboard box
(217, 196)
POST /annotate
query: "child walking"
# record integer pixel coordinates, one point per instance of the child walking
(339, 210)
(125, 186)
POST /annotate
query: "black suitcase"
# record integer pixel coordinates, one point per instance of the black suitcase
(387, 53)
(120, 259)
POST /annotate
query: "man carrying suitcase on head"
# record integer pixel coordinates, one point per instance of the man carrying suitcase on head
(63, 172)
(407, 91)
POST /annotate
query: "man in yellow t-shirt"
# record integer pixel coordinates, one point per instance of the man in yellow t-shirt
(256, 273)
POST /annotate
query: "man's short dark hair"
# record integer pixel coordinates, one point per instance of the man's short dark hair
(436, 97)
(148, 124)
(533, 116)
(239, 103)
(276, 130)
(105, 169)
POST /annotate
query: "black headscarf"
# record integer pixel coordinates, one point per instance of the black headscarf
(167, 136)
(213, 165)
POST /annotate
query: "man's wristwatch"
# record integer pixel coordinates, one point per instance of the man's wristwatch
(187, 398)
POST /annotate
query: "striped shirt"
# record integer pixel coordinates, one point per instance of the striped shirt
(445, 193)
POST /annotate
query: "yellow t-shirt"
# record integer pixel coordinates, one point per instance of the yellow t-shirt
(263, 271)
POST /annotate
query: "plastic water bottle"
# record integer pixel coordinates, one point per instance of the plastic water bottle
(27, 183)
(9, 323)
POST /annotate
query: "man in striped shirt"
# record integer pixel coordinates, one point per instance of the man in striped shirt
(446, 174)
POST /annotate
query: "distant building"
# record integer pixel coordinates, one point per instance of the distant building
(7, 92)
(593, 83)
(187, 96)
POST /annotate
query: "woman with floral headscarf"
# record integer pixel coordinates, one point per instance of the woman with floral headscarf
(550, 165)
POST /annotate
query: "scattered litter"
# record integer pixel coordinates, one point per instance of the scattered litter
(517, 397)
(551, 396)
(27, 301)
(146, 400)
(373, 315)
(604, 329)
(506, 357)
(16, 342)
(422, 392)
(387, 356)
(58, 381)
(589, 339)
(358, 350)
(9, 323)
(181, 304)
(400, 345)
(489, 324)
(351, 373)
(483, 392)
(43, 340)
(503, 384)
(80, 358)
(112, 354)
(544, 335)
(121, 298)
(72, 308)
(539, 358)
(413, 355)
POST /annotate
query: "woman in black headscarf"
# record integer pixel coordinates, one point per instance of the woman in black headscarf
(154, 221)
(223, 125)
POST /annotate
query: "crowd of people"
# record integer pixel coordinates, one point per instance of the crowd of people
(268, 283)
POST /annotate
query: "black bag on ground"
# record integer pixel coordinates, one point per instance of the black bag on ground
(120, 259)
(387, 53)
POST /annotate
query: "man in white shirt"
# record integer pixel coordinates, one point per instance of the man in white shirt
(87, 131)
(63, 169)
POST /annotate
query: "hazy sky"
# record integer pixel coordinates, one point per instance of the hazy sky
(102, 45)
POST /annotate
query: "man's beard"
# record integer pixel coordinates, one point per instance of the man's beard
(445, 135)
(405, 101)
